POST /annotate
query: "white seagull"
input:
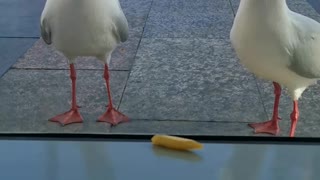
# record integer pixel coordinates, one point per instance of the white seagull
(279, 45)
(85, 28)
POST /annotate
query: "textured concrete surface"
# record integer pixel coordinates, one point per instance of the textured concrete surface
(177, 73)
(196, 79)
(20, 18)
(11, 49)
(30, 98)
(47, 57)
(189, 18)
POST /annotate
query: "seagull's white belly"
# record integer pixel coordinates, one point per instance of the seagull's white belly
(269, 61)
(81, 27)
(263, 64)
(83, 40)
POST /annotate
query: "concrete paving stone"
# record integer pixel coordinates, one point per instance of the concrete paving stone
(20, 18)
(29, 98)
(305, 7)
(43, 56)
(190, 79)
(315, 4)
(189, 18)
(20, 8)
(11, 49)
(136, 12)
(235, 5)
(182, 128)
(183, 54)
(305, 129)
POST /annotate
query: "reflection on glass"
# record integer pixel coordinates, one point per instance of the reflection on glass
(97, 163)
(178, 155)
(242, 165)
(52, 160)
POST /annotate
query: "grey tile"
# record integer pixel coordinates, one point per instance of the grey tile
(189, 18)
(182, 54)
(20, 18)
(315, 4)
(10, 50)
(19, 8)
(43, 56)
(305, 128)
(182, 128)
(308, 123)
(305, 7)
(234, 5)
(168, 82)
(136, 12)
(30, 98)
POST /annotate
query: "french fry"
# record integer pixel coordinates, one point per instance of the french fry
(174, 142)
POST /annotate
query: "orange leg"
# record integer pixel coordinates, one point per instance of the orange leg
(294, 118)
(111, 116)
(271, 126)
(73, 115)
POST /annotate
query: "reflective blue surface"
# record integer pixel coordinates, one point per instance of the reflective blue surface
(69, 160)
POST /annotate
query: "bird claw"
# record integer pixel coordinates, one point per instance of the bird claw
(113, 117)
(269, 127)
(69, 117)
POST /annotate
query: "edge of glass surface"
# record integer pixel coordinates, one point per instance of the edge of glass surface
(147, 137)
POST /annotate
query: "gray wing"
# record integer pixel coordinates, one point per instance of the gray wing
(305, 63)
(305, 58)
(121, 29)
(45, 31)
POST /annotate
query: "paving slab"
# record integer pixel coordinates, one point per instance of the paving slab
(189, 18)
(190, 79)
(182, 128)
(306, 7)
(44, 56)
(20, 18)
(305, 129)
(136, 12)
(30, 97)
(315, 4)
(11, 49)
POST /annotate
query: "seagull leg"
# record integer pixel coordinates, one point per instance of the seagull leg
(111, 116)
(271, 126)
(73, 115)
(294, 118)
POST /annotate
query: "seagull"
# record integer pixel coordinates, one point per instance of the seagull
(85, 28)
(278, 45)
